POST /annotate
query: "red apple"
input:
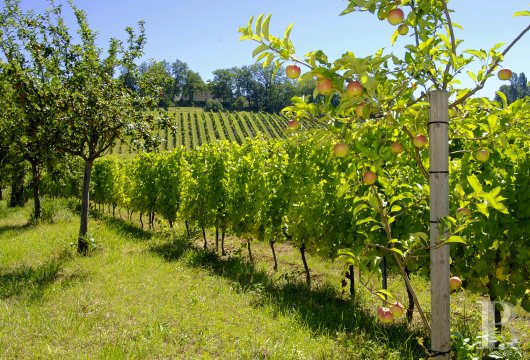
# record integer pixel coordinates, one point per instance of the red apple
(293, 124)
(420, 140)
(482, 155)
(340, 149)
(504, 74)
(369, 177)
(395, 16)
(403, 29)
(396, 148)
(464, 211)
(455, 282)
(397, 309)
(292, 71)
(354, 88)
(385, 315)
(325, 86)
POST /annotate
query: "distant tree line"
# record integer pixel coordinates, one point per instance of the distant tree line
(517, 89)
(251, 87)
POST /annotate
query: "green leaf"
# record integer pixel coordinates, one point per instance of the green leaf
(376, 227)
(384, 294)
(394, 37)
(366, 220)
(475, 184)
(455, 239)
(397, 251)
(395, 208)
(522, 13)
(265, 27)
(258, 49)
(258, 24)
(503, 98)
(286, 35)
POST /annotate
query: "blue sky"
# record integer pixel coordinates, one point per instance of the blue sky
(204, 34)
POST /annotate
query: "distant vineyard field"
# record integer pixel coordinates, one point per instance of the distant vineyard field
(192, 127)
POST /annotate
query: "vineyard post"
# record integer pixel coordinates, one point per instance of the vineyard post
(439, 207)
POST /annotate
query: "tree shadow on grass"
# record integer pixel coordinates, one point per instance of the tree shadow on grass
(6, 228)
(319, 308)
(31, 281)
(130, 230)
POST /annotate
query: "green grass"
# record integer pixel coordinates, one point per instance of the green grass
(143, 294)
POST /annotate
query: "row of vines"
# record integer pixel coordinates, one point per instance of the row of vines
(301, 192)
(192, 128)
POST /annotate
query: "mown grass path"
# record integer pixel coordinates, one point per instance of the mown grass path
(155, 295)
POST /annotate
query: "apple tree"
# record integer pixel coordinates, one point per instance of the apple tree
(410, 94)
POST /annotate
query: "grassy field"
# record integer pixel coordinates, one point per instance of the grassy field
(155, 294)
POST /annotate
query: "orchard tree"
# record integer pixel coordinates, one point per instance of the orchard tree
(79, 103)
(385, 88)
(32, 76)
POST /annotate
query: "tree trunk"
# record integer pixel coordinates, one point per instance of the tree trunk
(223, 252)
(497, 317)
(170, 224)
(187, 228)
(1, 195)
(114, 210)
(217, 238)
(271, 243)
(249, 251)
(17, 189)
(384, 276)
(410, 308)
(351, 277)
(141, 221)
(82, 243)
(306, 268)
(204, 237)
(35, 184)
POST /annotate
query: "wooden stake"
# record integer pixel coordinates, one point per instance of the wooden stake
(439, 203)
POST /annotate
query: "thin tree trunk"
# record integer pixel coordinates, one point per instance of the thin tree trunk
(1, 195)
(351, 277)
(114, 210)
(141, 221)
(497, 317)
(223, 252)
(35, 184)
(249, 251)
(187, 229)
(410, 308)
(384, 279)
(82, 243)
(204, 237)
(217, 238)
(306, 268)
(170, 224)
(17, 189)
(271, 243)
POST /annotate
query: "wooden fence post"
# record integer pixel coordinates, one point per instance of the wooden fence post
(439, 204)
